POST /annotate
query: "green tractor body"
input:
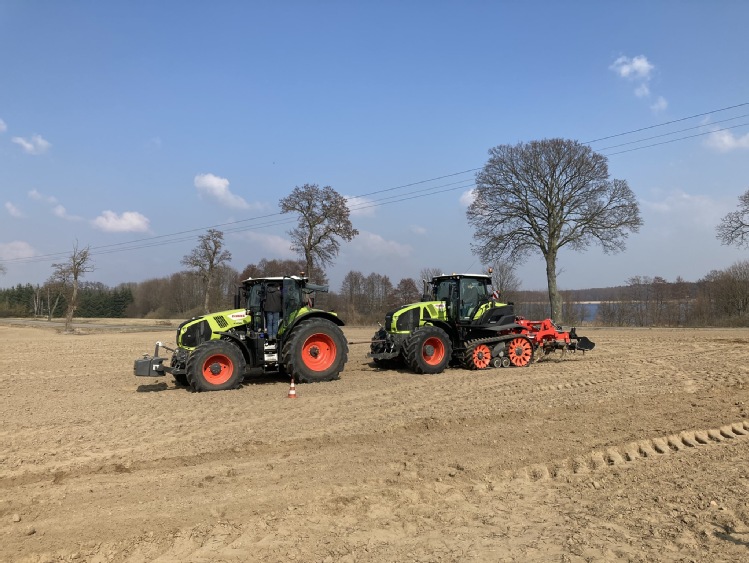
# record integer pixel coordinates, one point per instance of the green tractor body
(217, 351)
(460, 321)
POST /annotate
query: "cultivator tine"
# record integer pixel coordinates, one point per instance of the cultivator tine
(584, 343)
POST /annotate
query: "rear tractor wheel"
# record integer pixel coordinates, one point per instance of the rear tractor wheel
(315, 351)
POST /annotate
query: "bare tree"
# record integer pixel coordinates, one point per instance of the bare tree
(323, 218)
(734, 227)
(407, 291)
(68, 275)
(274, 267)
(542, 196)
(205, 259)
(505, 281)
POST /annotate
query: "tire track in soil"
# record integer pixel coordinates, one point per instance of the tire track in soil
(618, 456)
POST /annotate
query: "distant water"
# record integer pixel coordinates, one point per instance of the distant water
(591, 310)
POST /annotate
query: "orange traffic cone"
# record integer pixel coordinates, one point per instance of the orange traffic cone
(292, 390)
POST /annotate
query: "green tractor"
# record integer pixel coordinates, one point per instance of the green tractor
(216, 351)
(461, 322)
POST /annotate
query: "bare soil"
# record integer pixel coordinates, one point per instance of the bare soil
(636, 451)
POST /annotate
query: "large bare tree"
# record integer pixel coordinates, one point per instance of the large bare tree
(322, 219)
(734, 227)
(205, 259)
(67, 276)
(541, 196)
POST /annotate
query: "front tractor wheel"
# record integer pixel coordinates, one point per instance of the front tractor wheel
(520, 351)
(428, 350)
(214, 366)
(315, 351)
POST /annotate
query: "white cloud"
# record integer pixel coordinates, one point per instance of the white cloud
(725, 141)
(3, 126)
(642, 91)
(36, 145)
(360, 206)
(35, 195)
(12, 210)
(467, 197)
(59, 211)
(685, 208)
(660, 105)
(128, 222)
(273, 244)
(373, 245)
(16, 249)
(218, 189)
(417, 230)
(637, 68)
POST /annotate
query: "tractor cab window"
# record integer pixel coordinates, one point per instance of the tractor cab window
(255, 298)
(447, 291)
(444, 289)
(472, 293)
(291, 298)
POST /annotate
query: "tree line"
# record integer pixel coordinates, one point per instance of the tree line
(721, 298)
(529, 198)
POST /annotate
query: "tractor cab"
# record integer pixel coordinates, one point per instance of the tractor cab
(297, 296)
(463, 294)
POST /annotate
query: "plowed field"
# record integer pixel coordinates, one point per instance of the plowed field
(636, 451)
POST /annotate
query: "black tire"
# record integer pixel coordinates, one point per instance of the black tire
(215, 365)
(428, 350)
(181, 379)
(315, 351)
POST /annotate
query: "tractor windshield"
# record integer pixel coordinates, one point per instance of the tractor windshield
(472, 292)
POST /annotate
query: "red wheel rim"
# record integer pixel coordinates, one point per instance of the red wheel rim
(521, 352)
(319, 352)
(217, 369)
(482, 355)
(433, 351)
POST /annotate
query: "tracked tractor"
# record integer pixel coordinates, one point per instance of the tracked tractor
(460, 321)
(217, 351)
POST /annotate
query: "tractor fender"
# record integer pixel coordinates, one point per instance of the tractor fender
(444, 326)
(316, 314)
(241, 344)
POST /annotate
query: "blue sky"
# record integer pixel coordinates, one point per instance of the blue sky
(133, 127)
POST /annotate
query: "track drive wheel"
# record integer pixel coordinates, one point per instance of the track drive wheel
(478, 357)
(520, 351)
(214, 366)
(428, 350)
(316, 350)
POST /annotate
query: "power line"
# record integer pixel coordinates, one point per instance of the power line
(235, 226)
(680, 139)
(666, 123)
(675, 132)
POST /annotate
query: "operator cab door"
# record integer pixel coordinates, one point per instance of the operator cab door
(472, 293)
(291, 302)
(255, 306)
(447, 291)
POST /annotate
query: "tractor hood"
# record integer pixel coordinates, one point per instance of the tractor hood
(411, 316)
(199, 329)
